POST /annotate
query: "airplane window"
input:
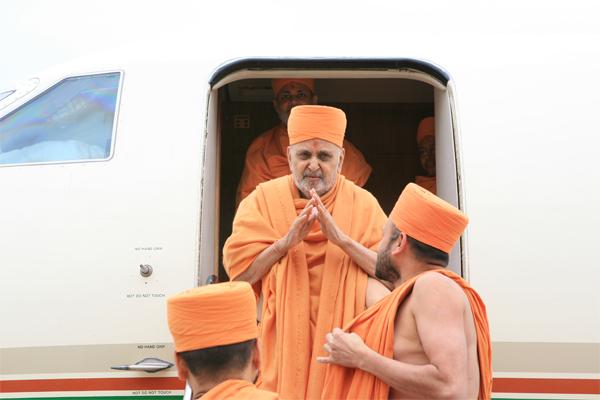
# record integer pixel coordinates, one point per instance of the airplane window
(4, 95)
(72, 121)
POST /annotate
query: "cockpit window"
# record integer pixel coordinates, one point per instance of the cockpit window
(4, 95)
(71, 121)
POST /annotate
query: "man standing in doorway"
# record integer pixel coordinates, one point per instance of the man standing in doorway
(266, 157)
(306, 241)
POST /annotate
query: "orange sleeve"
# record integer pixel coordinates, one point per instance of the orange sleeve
(251, 234)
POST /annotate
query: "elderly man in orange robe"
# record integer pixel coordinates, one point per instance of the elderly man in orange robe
(214, 330)
(306, 242)
(429, 339)
(426, 146)
(266, 158)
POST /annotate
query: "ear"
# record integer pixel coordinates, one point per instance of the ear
(256, 357)
(315, 99)
(182, 368)
(342, 155)
(400, 245)
(275, 104)
(289, 156)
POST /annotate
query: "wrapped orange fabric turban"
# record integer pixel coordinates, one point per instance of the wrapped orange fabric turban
(317, 122)
(425, 217)
(212, 315)
(426, 127)
(278, 84)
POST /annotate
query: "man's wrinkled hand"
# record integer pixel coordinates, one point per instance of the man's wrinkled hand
(301, 226)
(346, 349)
(328, 225)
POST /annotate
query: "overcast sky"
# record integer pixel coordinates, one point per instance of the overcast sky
(35, 34)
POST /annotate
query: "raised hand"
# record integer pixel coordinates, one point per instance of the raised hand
(328, 225)
(301, 226)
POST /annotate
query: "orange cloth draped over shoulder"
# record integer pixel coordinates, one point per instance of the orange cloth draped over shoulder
(313, 288)
(235, 389)
(376, 327)
(266, 159)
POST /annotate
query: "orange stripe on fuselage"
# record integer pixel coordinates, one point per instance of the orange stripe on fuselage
(91, 384)
(501, 385)
(546, 385)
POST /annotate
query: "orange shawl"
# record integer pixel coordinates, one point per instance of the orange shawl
(376, 327)
(236, 389)
(266, 159)
(288, 352)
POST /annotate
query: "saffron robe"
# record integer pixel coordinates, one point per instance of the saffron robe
(266, 159)
(236, 389)
(313, 288)
(376, 327)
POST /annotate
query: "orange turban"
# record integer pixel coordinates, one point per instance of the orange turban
(426, 127)
(212, 315)
(278, 84)
(425, 217)
(317, 122)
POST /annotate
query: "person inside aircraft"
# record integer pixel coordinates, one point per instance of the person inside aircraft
(266, 158)
(306, 240)
(214, 331)
(440, 346)
(426, 146)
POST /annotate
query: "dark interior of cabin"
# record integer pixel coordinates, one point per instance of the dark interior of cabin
(382, 115)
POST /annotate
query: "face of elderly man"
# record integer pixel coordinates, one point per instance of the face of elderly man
(315, 164)
(291, 95)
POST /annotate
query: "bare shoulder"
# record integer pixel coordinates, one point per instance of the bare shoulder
(433, 287)
(375, 292)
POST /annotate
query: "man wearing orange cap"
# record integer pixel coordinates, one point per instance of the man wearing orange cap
(214, 330)
(426, 146)
(429, 339)
(306, 241)
(266, 158)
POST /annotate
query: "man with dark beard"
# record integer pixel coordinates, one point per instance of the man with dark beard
(429, 339)
(306, 241)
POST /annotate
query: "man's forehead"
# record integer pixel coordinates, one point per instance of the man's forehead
(314, 145)
(294, 87)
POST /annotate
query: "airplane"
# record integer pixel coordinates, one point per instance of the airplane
(119, 174)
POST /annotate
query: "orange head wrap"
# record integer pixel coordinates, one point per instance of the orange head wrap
(212, 315)
(317, 122)
(278, 84)
(426, 127)
(425, 217)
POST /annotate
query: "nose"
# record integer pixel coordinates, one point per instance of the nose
(313, 165)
